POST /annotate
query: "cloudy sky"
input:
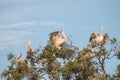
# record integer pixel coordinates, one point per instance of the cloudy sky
(25, 20)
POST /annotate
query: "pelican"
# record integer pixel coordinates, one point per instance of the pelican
(98, 39)
(56, 39)
(19, 61)
(27, 45)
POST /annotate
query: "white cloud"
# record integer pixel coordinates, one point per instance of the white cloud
(29, 24)
(48, 23)
(17, 25)
(11, 37)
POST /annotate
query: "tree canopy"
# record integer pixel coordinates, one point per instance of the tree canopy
(67, 63)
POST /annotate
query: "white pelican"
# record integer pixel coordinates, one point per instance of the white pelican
(98, 39)
(19, 61)
(27, 45)
(56, 39)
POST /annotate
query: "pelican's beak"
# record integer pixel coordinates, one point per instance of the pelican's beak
(28, 44)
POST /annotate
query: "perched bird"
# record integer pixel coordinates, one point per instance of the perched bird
(27, 45)
(19, 61)
(56, 39)
(98, 39)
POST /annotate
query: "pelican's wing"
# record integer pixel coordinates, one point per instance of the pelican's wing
(92, 36)
(106, 36)
(18, 56)
(53, 34)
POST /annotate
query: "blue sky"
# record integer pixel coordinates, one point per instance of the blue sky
(25, 20)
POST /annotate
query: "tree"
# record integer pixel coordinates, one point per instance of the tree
(117, 75)
(67, 63)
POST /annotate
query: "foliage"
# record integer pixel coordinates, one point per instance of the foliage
(117, 76)
(67, 63)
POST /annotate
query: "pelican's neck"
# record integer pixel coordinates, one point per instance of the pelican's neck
(63, 34)
(101, 30)
(19, 56)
